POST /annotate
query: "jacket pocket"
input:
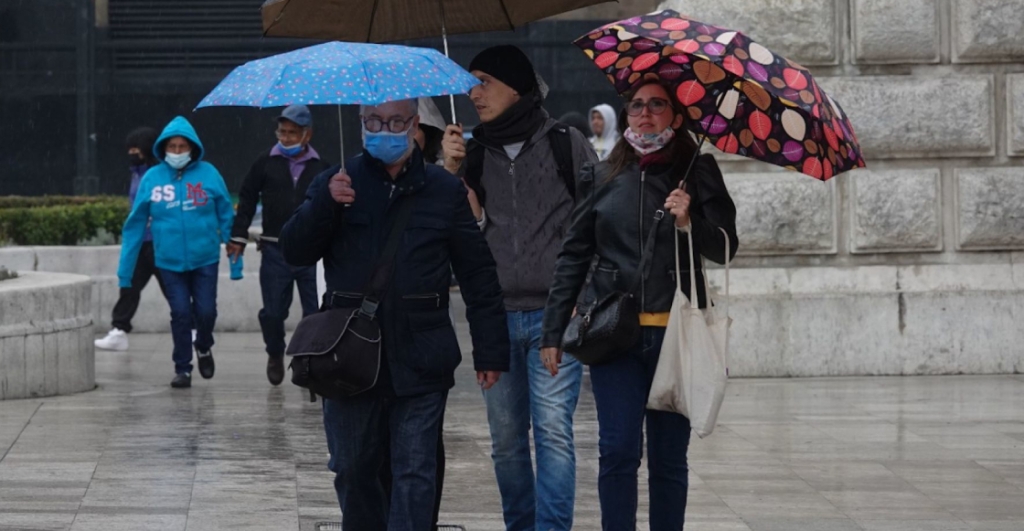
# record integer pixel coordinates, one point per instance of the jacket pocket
(424, 238)
(434, 348)
(355, 233)
(606, 279)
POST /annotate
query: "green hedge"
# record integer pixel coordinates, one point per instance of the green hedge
(59, 220)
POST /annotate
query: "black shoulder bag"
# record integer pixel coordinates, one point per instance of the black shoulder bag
(610, 326)
(336, 352)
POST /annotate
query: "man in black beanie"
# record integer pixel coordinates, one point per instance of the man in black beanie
(520, 169)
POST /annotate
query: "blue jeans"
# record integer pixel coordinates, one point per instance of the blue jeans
(277, 282)
(360, 431)
(529, 392)
(620, 392)
(193, 298)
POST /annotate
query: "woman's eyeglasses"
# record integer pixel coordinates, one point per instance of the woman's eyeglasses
(656, 106)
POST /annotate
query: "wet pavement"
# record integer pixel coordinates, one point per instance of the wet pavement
(871, 454)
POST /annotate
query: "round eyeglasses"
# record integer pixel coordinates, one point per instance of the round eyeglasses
(394, 125)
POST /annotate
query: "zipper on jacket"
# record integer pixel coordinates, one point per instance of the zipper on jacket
(515, 221)
(640, 221)
(181, 216)
(425, 297)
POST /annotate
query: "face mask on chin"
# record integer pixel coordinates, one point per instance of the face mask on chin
(290, 151)
(386, 147)
(645, 144)
(178, 160)
(294, 149)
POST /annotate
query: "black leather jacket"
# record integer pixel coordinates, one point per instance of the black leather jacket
(611, 221)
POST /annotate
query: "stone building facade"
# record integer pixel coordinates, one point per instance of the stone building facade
(916, 264)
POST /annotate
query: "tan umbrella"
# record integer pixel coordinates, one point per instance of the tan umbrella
(398, 20)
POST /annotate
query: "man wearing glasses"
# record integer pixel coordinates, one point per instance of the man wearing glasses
(346, 220)
(279, 179)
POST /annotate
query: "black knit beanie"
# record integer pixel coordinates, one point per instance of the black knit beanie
(507, 64)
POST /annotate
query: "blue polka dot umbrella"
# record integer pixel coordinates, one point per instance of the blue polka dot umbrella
(341, 73)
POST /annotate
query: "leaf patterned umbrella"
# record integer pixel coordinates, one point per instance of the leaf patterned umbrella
(739, 95)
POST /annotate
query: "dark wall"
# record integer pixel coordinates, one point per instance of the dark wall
(39, 111)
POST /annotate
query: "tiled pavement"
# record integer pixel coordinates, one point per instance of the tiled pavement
(871, 454)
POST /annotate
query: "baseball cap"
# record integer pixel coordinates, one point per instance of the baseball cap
(299, 114)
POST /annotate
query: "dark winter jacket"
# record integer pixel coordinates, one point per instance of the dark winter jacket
(611, 221)
(269, 181)
(421, 349)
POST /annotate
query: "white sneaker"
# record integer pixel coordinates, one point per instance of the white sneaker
(116, 340)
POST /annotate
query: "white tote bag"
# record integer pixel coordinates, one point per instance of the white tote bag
(693, 368)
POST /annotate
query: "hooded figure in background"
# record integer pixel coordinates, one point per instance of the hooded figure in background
(604, 125)
(431, 130)
(140, 159)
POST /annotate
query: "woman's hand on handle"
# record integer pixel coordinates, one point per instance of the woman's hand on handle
(678, 204)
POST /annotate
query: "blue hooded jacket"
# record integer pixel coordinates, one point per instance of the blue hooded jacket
(189, 211)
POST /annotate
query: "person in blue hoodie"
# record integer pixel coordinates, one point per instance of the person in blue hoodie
(187, 206)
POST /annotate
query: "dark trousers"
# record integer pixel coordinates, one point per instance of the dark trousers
(620, 392)
(128, 299)
(386, 480)
(361, 432)
(277, 282)
(193, 297)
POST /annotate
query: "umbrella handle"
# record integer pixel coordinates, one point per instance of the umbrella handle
(341, 138)
(693, 161)
(444, 38)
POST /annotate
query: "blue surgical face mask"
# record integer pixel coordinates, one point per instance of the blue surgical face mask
(386, 147)
(178, 160)
(294, 149)
(290, 151)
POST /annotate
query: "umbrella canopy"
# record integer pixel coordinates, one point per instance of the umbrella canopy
(341, 73)
(396, 20)
(740, 95)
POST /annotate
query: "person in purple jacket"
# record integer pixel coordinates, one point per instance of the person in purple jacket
(140, 160)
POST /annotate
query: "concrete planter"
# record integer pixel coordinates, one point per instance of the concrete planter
(46, 335)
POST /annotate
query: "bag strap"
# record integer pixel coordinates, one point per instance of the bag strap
(381, 277)
(693, 274)
(644, 269)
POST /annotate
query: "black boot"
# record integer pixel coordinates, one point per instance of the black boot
(275, 369)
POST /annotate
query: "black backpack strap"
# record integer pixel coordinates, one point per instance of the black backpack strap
(561, 146)
(381, 278)
(474, 165)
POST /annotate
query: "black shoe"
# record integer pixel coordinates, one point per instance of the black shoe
(206, 366)
(182, 381)
(275, 369)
